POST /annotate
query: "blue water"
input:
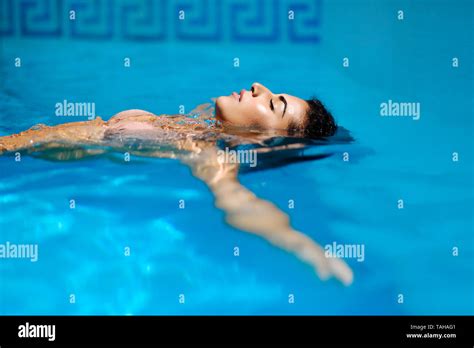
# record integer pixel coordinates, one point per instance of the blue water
(189, 251)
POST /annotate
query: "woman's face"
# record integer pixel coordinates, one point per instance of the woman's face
(261, 108)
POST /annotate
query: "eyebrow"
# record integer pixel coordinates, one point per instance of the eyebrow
(282, 98)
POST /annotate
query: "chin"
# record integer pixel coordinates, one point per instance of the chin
(219, 105)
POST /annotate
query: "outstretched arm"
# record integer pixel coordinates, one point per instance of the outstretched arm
(247, 212)
(41, 136)
(76, 134)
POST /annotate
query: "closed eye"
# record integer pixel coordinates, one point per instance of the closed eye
(271, 105)
(283, 100)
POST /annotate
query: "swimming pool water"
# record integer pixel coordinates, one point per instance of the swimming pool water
(189, 251)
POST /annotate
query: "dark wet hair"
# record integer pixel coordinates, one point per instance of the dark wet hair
(318, 121)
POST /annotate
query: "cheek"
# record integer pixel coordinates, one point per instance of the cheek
(262, 116)
(261, 110)
(251, 111)
(254, 113)
(254, 110)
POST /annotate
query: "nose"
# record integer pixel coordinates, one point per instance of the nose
(258, 89)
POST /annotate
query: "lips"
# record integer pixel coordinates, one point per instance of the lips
(241, 94)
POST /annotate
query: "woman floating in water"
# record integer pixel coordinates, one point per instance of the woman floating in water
(251, 117)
